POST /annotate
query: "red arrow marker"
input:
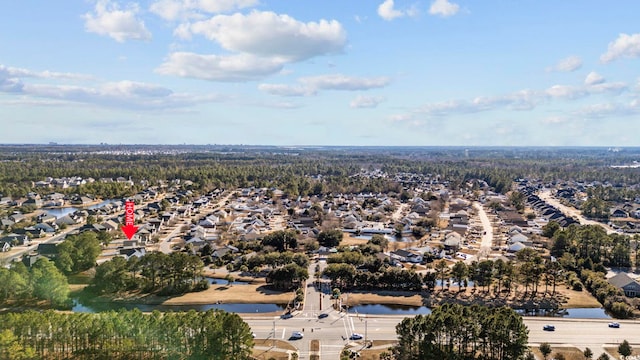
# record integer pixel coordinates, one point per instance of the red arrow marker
(129, 229)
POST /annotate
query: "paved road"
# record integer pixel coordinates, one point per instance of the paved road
(573, 212)
(333, 331)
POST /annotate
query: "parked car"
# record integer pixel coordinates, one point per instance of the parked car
(323, 315)
(296, 335)
(355, 336)
(614, 325)
(549, 328)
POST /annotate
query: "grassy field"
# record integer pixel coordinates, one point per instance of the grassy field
(265, 349)
(570, 353)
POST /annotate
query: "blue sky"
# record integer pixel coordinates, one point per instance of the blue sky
(307, 72)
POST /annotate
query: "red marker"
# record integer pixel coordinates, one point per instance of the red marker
(129, 229)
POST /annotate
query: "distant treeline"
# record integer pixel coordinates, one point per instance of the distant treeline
(295, 171)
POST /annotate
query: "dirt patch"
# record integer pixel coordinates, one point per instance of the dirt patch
(268, 349)
(233, 294)
(613, 351)
(348, 240)
(373, 353)
(570, 353)
(315, 345)
(385, 297)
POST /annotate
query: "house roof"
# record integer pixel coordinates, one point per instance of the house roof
(620, 280)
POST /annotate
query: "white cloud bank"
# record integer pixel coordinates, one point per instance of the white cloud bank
(119, 24)
(172, 10)
(120, 94)
(625, 46)
(262, 43)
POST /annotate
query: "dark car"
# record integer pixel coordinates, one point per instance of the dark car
(355, 336)
(614, 325)
(322, 316)
(549, 328)
(286, 316)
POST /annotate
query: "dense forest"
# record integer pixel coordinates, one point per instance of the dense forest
(303, 171)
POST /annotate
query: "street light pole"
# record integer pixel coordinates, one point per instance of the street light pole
(273, 340)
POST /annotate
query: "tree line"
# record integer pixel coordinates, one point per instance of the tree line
(155, 272)
(213, 334)
(457, 332)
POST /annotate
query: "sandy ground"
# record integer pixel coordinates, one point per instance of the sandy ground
(382, 297)
(233, 294)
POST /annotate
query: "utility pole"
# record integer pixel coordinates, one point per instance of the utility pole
(273, 340)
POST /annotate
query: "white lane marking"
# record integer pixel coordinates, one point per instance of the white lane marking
(283, 331)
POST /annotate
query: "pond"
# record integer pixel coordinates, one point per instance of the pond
(379, 309)
(230, 307)
(388, 237)
(572, 313)
(60, 212)
(225, 282)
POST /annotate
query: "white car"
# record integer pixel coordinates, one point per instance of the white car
(296, 335)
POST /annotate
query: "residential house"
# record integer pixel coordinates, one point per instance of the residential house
(16, 239)
(49, 250)
(405, 256)
(131, 252)
(629, 286)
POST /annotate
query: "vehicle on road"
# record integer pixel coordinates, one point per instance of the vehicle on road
(286, 316)
(356, 336)
(323, 315)
(549, 328)
(614, 325)
(254, 335)
(296, 335)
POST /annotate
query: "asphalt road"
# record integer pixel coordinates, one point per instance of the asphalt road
(334, 331)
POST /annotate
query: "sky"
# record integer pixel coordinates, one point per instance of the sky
(321, 72)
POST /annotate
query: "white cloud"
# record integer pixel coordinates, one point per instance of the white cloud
(267, 34)
(526, 99)
(12, 72)
(109, 20)
(261, 43)
(122, 94)
(593, 78)
(444, 8)
(566, 92)
(286, 90)
(343, 82)
(184, 9)
(387, 12)
(625, 46)
(362, 101)
(571, 63)
(312, 84)
(242, 67)
(555, 120)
